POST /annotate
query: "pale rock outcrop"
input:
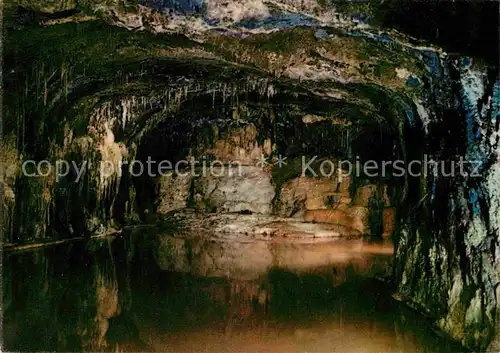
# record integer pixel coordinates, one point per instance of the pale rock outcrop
(225, 189)
(245, 188)
(235, 11)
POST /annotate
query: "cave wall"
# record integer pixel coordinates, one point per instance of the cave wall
(447, 251)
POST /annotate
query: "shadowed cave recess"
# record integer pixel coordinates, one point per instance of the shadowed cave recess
(245, 84)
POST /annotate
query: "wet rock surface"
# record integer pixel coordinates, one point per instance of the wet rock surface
(262, 227)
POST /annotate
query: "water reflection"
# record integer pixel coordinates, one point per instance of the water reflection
(252, 259)
(158, 293)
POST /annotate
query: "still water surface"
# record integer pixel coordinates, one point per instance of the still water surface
(130, 294)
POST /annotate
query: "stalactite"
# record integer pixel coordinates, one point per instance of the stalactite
(270, 91)
(125, 111)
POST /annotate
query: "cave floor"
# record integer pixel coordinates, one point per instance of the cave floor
(257, 227)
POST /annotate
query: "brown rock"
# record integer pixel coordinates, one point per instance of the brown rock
(312, 194)
(351, 217)
(387, 201)
(388, 221)
(364, 194)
